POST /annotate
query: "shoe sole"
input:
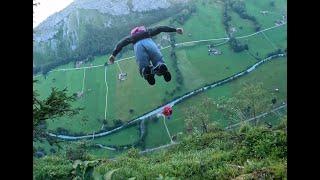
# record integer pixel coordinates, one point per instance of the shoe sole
(163, 70)
(150, 77)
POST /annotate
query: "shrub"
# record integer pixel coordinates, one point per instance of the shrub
(52, 167)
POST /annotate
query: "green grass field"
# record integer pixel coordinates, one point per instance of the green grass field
(206, 23)
(243, 26)
(197, 68)
(254, 7)
(272, 74)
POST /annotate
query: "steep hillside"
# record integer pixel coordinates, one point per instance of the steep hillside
(248, 153)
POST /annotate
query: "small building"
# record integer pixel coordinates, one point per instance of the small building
(284, 17)
(122, 76)
(214, 51)
(279, 22)
(233, 30)
(78, 64)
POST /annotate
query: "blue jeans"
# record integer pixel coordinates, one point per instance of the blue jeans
(145, 51)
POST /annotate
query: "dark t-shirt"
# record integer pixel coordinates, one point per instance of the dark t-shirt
(137, 37)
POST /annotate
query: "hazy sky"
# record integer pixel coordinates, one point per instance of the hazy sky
(47, 8)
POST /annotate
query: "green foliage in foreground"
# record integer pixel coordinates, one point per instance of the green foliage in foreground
(52, 167)
(57, 104)
(246, 153)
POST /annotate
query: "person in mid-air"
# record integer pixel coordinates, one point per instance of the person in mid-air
(146, 51)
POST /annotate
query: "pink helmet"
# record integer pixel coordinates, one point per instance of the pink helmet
(137, 30)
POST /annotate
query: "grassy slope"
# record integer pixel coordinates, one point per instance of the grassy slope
(206, 23)
(250, 153)
(243, 26)
(211, 156)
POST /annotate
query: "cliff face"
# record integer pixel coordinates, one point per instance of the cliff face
(67, 29)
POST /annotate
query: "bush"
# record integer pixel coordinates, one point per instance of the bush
(62, 131)
(240, 8)
(164, 100)
(90, 58)
(182, 17)
(278, 51)
(226, 18)
(155, 119)
(78, 152)
(52, 150)
(237, 46)
(117, 122)
(52, 167)
(272, 3)
(261, 142)
(274, 100)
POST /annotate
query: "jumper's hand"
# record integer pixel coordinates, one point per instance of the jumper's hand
(179, 30)
(111, 59)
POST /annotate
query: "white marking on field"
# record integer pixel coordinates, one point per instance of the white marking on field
(106, 83)
(83, 79)
(164, 121)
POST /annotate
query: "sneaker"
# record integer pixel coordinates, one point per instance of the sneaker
(148, 75)
(162, 70)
